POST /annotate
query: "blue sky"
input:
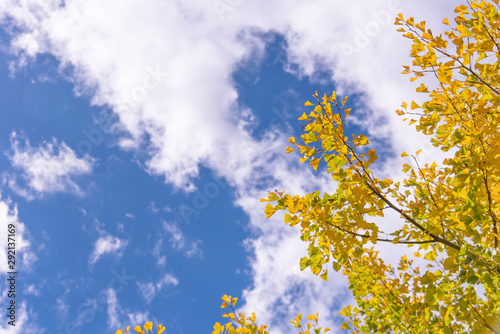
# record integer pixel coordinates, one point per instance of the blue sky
(137, 140)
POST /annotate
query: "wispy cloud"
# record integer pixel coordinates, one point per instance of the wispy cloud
(25, 318)
(138, 317)
(49, 168)
(62, 309)
(106, 244)
(161, 259)
(179, 242)
(113, 309)
(25, 255)
(116, 313)
(149, 290)
(31, 290)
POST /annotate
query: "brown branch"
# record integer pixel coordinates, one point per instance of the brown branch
(455, 58)
(485, 323)
(472, 72)
(490, 210)
(430, 193)
(390, 204)
(397, 300)
(384, 240)
(485, 28)
(365, 175)
(412, 221)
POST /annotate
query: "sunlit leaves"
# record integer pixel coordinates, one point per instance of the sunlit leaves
(148, 326)
(124, 331)
(239, 322)
(450, 210)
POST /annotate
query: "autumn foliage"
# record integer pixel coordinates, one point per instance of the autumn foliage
(449, 210)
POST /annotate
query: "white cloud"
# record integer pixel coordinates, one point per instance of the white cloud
(120, 227)
(25, 320)
(31, 290)
(106, 244)
(62, 309)
(113, 309)
(25, 257)
(162, 261)
(116, 313)
(179, 242)
(149, 290)
(191, 116)
(139, 317)
(152, 207)
(48, 168)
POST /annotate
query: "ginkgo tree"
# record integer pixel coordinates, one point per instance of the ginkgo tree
(450, 210)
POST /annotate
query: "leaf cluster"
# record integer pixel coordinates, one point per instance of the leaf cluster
(239, 323)
(148, 326)
(449, 210)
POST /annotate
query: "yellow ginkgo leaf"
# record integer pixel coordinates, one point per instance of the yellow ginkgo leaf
(345, 325)
(315, 163)
(303, 117)
(160, 329)
(218, 328)
(495, 192)
(422, 89)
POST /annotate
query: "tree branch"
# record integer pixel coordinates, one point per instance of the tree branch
(411, 242)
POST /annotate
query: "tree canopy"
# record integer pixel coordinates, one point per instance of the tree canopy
(448, 279)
